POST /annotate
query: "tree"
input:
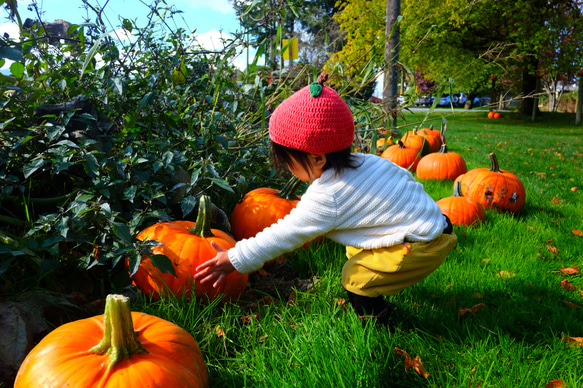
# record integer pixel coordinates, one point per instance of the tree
(392, 39)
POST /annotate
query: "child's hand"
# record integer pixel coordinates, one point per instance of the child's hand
(216, 269)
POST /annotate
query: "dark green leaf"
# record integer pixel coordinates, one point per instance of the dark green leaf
(163, 263)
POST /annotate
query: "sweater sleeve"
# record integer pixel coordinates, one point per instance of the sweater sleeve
(314, 216)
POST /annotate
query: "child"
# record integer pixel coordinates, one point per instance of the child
(394, 232)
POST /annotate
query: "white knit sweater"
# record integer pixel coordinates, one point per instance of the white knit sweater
(376, 205)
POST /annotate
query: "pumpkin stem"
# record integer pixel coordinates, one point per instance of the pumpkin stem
(443, 149)
(202, 226)
(119, 338)
(401, 144)
(443, 128)
(494, 162)
(457, 189)
(289, 190)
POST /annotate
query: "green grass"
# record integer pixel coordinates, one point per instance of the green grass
(514, 340)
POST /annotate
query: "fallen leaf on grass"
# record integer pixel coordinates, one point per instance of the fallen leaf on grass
(292, 297)
(414, 363)
(567, 285)
(247, 318)
(462, 311)
(570, 304)
(552, 249)
(219, 332)
(554, 384)
(575, 342)
(574, 189)
(568, 271)
(555, 200)
(577, 232)
(505, 274)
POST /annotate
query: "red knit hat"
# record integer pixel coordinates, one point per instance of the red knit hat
(314, 119)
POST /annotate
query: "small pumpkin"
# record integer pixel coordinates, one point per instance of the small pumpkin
(402, 155)
(497, 115)
(187, 244)
(263, 207)
(491, 114)
(442, 165)
(462, 210)
(117, 349)
(494, 188)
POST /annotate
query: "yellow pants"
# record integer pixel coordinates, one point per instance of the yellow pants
(386, 271)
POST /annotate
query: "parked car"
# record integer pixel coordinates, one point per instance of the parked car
(458, 99)
(425, 100)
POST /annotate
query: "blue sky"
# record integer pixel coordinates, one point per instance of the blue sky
(210, 18)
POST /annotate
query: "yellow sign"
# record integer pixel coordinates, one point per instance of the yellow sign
(293, 47)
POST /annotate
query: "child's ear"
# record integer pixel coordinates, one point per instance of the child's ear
(318, 161)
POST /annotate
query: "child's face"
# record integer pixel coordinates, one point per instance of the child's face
(317, 162)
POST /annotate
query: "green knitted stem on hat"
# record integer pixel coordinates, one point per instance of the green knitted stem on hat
(315, 89)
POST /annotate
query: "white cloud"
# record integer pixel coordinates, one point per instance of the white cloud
(222, 6)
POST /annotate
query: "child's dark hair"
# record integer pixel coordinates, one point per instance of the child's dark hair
(337, 161)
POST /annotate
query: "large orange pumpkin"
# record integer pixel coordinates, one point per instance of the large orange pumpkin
(442, 165)
(402, 155)
(263, 207)
(494, 188)
(118, 349)
(462, 210)
(187, 244)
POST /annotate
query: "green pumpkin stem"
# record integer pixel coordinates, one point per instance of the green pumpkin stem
(494, 167)
(202, 226)
(289, 190)
(119, 338)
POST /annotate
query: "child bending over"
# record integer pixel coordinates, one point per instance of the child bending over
(394, 232)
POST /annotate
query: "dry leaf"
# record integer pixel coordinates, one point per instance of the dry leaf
(219, 331)
(552, 249)
(485, 261)
(569, 271)
(576, 342)
(555, 200)
(292, 297)
(505, 274)
(574, 189)
(462, 311)
(554, 384)
(267, 299)
(577, 232)
(567, 285)
(247, 318)
(414, 363)
(573, 305)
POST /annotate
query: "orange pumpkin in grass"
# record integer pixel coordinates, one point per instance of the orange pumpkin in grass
(402, 155)
(263, 207)
(442, 165)
(462, 210)
(494, 188)
(434, 137)
(187, 244)
(118, 349)
(412, 139)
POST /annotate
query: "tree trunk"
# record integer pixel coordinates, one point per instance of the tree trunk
(391, 59)
(528, 88)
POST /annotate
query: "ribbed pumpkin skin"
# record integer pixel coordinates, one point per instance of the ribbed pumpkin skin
(441, 166)
(186, 251)
(415, 141)
(259, 209)
(494, 188)
(62, 358)
(461, 210)
(431, 136)
(403, 156)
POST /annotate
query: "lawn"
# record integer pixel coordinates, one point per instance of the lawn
(498, 313)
